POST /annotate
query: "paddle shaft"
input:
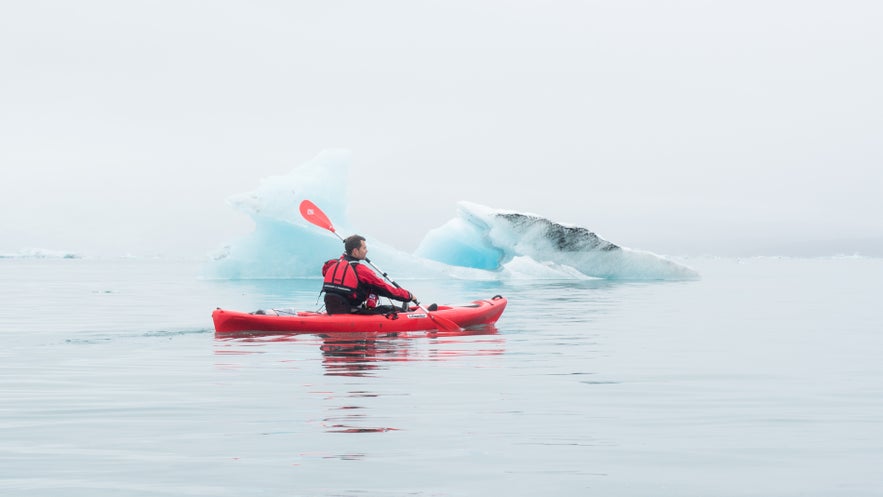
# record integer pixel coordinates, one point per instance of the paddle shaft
(446, 323)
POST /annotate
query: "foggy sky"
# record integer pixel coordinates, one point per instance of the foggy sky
(683, 127)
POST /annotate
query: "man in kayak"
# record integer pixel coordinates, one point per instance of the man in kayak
(348, 282)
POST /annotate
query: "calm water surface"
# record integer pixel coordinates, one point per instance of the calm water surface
(763, 378)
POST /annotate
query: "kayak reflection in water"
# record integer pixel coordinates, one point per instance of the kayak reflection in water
(364, 354)
(350, 286)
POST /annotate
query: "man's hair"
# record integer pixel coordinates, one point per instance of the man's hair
(352, 242)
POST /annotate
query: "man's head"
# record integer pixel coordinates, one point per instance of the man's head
(354, 246)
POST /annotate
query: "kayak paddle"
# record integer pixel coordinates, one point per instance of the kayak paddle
(313, 214)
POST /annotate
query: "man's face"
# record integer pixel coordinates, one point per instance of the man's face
(360, 253)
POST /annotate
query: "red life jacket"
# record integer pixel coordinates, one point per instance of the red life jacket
(341, 278)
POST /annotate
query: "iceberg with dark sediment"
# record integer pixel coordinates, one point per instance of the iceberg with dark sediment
(493, 239)
(480, 243)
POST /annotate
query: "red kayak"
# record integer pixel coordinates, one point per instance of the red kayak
(478, 314)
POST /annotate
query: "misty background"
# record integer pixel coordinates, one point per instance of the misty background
(683, 128)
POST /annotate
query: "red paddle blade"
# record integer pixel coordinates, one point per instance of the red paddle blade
(315, 215)
(444, 324)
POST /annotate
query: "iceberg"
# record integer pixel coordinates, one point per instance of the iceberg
(40, 253)
(480, 243)
(284, 245)
(494, 239)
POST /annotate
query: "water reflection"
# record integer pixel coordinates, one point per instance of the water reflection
(359, 354)
(352, 418)
(363, 354)
(355, 355)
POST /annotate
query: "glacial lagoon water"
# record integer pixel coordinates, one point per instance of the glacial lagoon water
(761, 378)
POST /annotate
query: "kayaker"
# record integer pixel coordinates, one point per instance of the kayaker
(348, 282)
